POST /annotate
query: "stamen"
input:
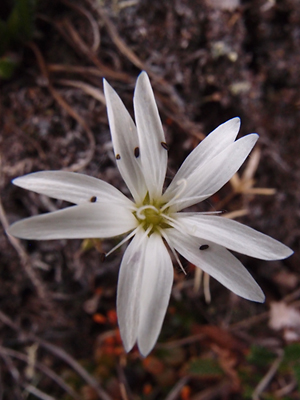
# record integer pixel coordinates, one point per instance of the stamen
(182, 182)
(195, 199)
(198, 279)
(145, 233)
(164, 145)
(93, 199)
(137, 152)
(177, 225)
(131, 234)
(102, 257)
(163, 234)
(141, 209)
(192, 214)
(206, 288)
(118, 157)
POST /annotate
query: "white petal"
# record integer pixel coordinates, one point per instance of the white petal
(70, 186)
(151, 136)
(217, 262)
(126, 143)
(212, 145)
(156, 291)
(87, 220)
(209, 178)
(235, 236)
(129, 289)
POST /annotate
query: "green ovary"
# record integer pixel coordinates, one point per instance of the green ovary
(150, 217)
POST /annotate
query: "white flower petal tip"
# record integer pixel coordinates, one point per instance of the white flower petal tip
(242, 239)
(152, 142)
(144, 289)
(255, 294)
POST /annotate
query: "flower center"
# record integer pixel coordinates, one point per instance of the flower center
(151, 218)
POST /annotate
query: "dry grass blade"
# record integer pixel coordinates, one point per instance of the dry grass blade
(92, 21)
(267, 378)
(214, 392)
(63, 355)
(69, 33)
(43, 368)
(60, 353)
(130, 55)
(118, 41)
(85, 87)
(75, 69)
(62, 102)
(24, 259)
(174, 393)
(15, 375)
(37, 392)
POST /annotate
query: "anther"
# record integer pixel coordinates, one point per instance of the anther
(137, 152)
(118, 157)
(164, 145)
(102, 257)
(204, 247)
(93, 199)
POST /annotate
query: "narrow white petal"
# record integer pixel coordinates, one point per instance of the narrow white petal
(209, 178)
(212, 145)
(217, 262)
(129, 289)
(87, 220)
(70, 186)
(126, 143)
(235, 236)
(151, 136)
(155, 294)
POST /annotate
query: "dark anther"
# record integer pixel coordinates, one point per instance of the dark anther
(93, 199)
(102, 257)
(137, 152)
(204, 247)
(164, 145)
(118, 157)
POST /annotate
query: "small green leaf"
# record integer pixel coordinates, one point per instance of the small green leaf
(292, 352)
(20, 23)
(260, 356)
(8, 66)
(204, 368)
(296, 369)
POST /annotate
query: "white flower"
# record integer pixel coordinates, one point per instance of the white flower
(152, 219)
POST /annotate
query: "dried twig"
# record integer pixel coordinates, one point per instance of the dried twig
(15, 375)
(62, 102)
(69, 33)
(37, 392)
(268, 377)
(88, 89)
(62, 354)
(24, 258)
(174, 393)
(92, 21)
(43, 368)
